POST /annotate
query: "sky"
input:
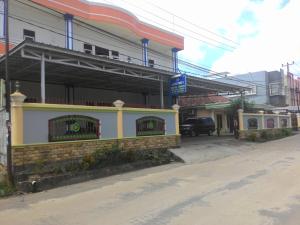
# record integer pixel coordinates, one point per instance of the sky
(235, 36)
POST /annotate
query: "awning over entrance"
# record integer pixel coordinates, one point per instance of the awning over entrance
(37, 62)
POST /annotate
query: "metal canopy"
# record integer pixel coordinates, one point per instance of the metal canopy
(63, 66)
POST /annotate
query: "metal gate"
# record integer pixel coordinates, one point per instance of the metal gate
(3, 133)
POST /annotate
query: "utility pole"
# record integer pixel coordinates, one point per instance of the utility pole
(242, 99)
(7, 89)
(297, 95)
(292, 78)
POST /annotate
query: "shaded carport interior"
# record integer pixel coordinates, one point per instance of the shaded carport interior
(68, 67)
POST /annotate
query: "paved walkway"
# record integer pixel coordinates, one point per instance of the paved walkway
(208, 148)
(259, 186)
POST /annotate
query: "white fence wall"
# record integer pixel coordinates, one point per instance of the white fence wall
(3, 133)
(261, 121)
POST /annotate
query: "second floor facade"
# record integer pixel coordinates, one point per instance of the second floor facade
(97, 29)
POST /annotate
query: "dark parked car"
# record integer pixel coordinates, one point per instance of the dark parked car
(196, 126)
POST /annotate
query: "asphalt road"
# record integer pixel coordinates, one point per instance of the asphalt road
(259, 185)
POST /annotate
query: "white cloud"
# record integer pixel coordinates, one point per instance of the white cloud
(192, 51)
(277, 41)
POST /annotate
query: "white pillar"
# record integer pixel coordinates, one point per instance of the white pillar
(278, 119)
(290, 120)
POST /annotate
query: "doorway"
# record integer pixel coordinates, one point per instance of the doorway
(219, 122)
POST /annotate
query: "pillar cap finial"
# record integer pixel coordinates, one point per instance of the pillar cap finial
(17, 98)
(176, 107)
(118, 103)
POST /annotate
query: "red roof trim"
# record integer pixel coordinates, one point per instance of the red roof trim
(114, 15)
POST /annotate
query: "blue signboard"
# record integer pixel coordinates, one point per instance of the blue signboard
(178, 85)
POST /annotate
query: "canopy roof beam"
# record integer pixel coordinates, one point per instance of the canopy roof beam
(80, 63)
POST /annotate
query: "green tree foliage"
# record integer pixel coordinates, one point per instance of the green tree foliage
(237, 104)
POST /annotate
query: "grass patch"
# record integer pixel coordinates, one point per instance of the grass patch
(6, 189)
(267, 134)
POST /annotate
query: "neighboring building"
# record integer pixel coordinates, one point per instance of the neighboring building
(268, 89)
(277, 87)
(293, 90)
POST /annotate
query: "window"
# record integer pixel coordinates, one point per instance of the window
(275, 89)
(151, 63)
(150, 125)
(270, 123)
(115, 54)
(87, 48)
(28, 35)
(252, 123)
(101, 51)
(73, 127)
(252, 91)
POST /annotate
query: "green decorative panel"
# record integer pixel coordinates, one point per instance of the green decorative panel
(150, 125)
(73, 127)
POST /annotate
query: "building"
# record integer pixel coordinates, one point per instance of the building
(268, 89)
(292, 92)
(91, 72)
(135, 60)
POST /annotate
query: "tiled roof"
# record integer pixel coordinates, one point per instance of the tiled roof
(194, 100)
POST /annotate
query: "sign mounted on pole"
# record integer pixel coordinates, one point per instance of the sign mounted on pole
(178, 85)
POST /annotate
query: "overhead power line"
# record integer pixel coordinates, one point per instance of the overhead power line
(87, 26)
(216, 44)
(106, 34)
(213, 73)
(190, 22)
(185, 62)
